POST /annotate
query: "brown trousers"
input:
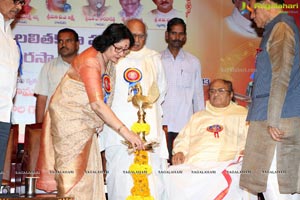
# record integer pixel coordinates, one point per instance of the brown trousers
(259, 152)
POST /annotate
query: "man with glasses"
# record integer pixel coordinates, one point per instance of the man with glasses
(272, 151)
(217, 136)
(53, 71)
(220, 128)
(9, 64)
(143, 66)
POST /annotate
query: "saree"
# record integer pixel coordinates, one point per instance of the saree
(70, 159)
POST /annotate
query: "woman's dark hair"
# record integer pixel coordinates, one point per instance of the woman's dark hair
(114, 33)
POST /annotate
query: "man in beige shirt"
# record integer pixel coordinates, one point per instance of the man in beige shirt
(217, 133)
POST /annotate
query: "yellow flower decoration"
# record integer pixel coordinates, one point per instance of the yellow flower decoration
(139, 198)
(141, 127)
(140, 169)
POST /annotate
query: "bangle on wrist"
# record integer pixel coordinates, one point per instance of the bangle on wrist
(120, 127)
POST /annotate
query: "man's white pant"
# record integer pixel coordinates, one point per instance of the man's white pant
(272, 192)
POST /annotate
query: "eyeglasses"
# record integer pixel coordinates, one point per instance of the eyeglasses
(139, 36)
(120, 50)
(19, 2)
(219, 90)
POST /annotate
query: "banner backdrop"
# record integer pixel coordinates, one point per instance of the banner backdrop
(93, 13)
(37, 27)
(224, 48)
(39, 45)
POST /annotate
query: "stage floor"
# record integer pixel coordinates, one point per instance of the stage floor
(37, 197)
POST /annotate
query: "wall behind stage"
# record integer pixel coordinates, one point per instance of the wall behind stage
(223, 52)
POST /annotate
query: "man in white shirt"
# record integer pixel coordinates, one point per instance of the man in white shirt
(9, 63)
(141, 65)
(53, 71)
(185, 88)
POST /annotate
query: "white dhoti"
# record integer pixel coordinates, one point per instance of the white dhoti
(206, 180)
(119, 180)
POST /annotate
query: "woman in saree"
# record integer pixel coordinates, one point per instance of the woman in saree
(69, 158)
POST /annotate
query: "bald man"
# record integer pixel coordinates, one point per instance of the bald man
(146, 62)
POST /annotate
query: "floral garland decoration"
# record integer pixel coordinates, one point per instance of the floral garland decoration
(140, 127)
(140, 169)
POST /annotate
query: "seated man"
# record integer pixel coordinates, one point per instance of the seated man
(209, 149)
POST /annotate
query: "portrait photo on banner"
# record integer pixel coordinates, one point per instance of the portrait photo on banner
(100, 13)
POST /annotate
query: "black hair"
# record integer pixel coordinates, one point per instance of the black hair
(114, 33)
(68, 30)
(176, 21)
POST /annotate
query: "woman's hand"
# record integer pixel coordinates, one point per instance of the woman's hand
(109, 117)
(134, 139)
(99, 129)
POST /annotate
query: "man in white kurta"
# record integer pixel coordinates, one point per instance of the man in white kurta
(144, 66)
(209, 150)
(9, 63)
